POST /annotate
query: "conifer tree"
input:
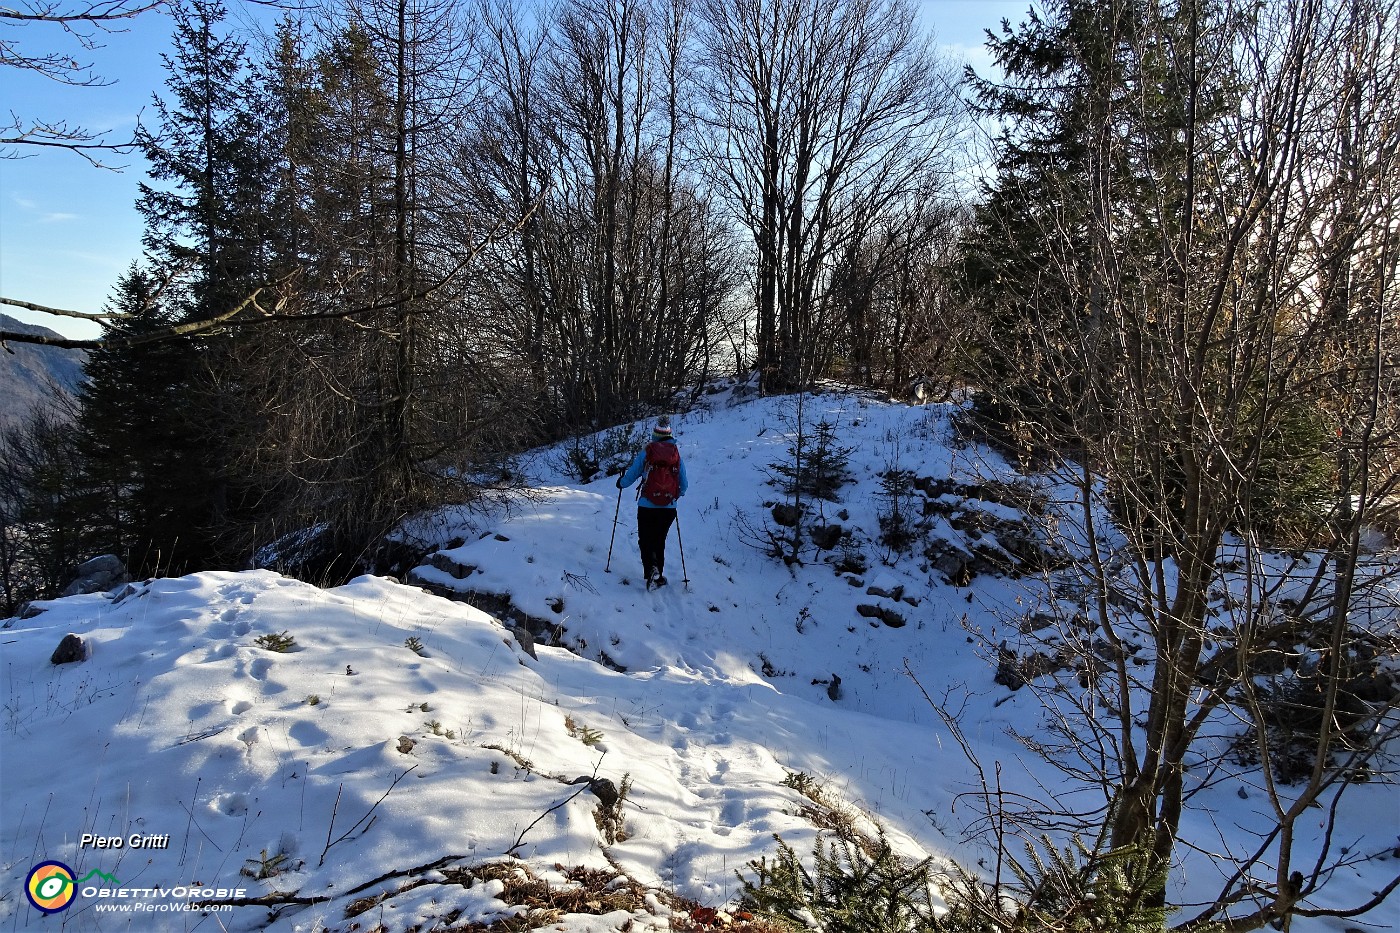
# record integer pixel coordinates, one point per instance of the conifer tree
(1061, 172)
(43, 532)
(213, 152)
(143, 481)
(367, 398)
(204, 205)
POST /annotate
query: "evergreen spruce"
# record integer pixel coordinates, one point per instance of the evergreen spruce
(210, 232)
(858, 886)
(43, 529)
(143, 481)
(209, 165)
(817, 466)
(861, 885)
(1083, 890)
(1029, 258)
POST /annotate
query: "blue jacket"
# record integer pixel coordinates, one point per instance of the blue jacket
(638, 467)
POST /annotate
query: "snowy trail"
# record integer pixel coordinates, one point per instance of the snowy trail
(183, 722)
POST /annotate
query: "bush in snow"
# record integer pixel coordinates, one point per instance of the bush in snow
(280, 642)
(860, 885)
(856, 886)
(606, 452)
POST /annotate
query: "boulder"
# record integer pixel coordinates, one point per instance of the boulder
(887, 587)
(602, 788)
(885, 614)
(1015, 671)
(1008, 669)
(1037, 621)
(786, 515)
(441, 561)
(97, 576)
(826, 537)
(524, 638)
(892, 617)
(126, 593)
(70, 649)
(950, 560)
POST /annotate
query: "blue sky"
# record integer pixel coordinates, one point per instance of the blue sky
(68, 230)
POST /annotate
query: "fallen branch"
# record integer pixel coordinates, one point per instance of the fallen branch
(292, 898)
(520, 840)
(271, 899)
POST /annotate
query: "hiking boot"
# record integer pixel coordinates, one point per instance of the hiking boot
(658, 580)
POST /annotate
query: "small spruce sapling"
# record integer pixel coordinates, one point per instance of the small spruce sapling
(280, 642)
(897, 528)
(857, 885)
(816, 467)
(267, 866)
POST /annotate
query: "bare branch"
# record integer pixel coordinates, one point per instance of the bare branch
(251, 301)
(103, 12)
(59, 312)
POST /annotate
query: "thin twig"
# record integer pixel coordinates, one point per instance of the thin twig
(588, 785)
(368, 814)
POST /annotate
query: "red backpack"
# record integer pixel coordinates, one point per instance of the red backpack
(662, 485)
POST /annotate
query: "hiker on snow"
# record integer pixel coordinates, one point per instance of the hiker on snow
(665, 482)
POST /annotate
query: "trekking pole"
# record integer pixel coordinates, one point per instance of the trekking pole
(616, 512)
(685, 578)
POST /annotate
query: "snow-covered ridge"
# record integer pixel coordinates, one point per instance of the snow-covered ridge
(180, 724)
(404, 731)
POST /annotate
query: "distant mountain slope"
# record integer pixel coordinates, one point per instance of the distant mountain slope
(28, 372)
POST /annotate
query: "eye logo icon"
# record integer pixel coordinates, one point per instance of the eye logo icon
(50, 886)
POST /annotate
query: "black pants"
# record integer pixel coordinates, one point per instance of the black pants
(652, 527)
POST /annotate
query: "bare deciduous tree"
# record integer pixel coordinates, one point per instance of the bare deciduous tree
(1207, 326)
(819, 117)
(612, 289)
(85, 25)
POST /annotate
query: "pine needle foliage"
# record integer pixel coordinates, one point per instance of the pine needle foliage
(856, 886)
(1080, 890)
(817, 466)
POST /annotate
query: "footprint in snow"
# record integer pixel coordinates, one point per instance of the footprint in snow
(308, 735)
(735, 812)
(230, 804)
(221, 652)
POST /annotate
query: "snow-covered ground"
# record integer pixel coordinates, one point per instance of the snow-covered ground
(405, 737)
